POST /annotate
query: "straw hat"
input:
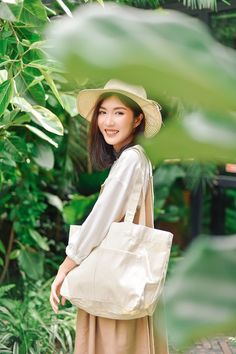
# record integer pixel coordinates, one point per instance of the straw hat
(86, 102)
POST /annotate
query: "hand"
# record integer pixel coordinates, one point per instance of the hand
(55, 291)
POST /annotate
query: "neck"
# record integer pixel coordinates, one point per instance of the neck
(117, 153)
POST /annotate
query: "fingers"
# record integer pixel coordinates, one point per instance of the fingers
(54, 299)
(63, 300)
(54, 303)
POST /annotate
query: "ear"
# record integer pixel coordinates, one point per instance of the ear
(138, 120)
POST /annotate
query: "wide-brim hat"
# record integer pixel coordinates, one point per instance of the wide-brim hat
(87, 99)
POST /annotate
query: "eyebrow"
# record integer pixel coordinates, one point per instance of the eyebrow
(114, 108)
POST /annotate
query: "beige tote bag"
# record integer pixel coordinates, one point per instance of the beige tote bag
(123, 277)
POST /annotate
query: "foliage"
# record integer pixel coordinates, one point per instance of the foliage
(33, 95)
(78, 208)
(28, 324)
(171, 179)
(230, 211)
(224, 27)
(177, 50)
(200, 293)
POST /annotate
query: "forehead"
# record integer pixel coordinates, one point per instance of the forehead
(112, 101)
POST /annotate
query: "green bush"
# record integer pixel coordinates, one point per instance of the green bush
(29, 326)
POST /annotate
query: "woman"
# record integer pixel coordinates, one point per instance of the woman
(118, 113)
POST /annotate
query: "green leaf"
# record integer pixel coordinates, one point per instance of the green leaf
(21, 103)
(24, 11)
(31, 262)
(44, 156)
(10, 12)
(16, 147)
(47, 64)
(101, 2)
(5, 288)
(76, 210)
(31, 88)
(205, 136)
(41, 134)
(3, 75)
(69, 103)
(64, 7)
(40, 115)
(200, 294)
(38, 44)
(167, 52)
(21, 119)
(6, 93)
(2, 247)
(52, 85)
(16, 348)
(47, 120)
(40, 240)
(12, 116)
(55, 201)
(3, 47)
(167, 174)
(14, 254)
(29, 11)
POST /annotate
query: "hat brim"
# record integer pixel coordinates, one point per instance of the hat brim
(87, 99)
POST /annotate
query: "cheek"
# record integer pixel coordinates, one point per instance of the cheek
(127, 124)
(99, 122)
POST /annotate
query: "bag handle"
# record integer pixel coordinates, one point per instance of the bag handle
(136, 194)
(146, 216)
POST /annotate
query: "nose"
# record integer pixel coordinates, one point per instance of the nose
(109, 119)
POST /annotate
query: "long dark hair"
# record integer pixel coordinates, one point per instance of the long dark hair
(102, 154)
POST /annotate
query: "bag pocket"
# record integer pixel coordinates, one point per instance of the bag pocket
(120, 277)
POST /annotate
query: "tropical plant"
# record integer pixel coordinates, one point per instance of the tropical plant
(28, 325)
(34, 102)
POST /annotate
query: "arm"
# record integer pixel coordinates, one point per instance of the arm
(109, 207)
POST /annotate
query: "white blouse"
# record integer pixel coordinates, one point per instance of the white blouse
(111, 203)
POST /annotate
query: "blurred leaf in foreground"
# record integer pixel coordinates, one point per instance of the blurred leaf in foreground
(166, 51)
(201, 292)
(207, 136)
(171, 55)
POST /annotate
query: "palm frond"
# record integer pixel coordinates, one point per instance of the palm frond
(201, 4)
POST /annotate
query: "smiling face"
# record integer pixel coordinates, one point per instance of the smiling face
(117, 122)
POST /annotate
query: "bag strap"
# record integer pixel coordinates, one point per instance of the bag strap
(146, 216)
(136, 193)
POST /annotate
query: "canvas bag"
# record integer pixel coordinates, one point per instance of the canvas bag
(123, 277)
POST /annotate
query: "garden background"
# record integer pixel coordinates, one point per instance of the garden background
(186, 60)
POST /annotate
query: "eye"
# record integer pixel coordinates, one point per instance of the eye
(120, 113)
(101, 112)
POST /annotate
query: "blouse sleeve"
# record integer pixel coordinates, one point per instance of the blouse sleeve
(109, 207)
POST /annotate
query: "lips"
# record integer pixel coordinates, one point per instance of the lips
(111, 132)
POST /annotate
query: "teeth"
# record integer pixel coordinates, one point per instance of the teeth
(111, 132)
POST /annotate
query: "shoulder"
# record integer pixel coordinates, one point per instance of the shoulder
(134, 156)
(130, 156)
(131, 162)
(131, 159)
